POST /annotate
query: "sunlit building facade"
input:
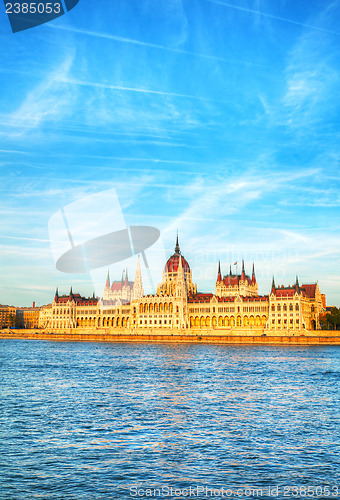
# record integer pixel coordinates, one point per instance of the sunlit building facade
(177, 305)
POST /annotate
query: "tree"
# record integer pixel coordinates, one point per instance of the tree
(331, 320)
(11, 319)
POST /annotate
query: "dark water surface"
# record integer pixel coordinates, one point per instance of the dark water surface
(109, 421)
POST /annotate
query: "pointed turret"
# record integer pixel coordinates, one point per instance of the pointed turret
(123, 276)
(180, 266)
(71, 294)
(180, 285)
(219, 275)
(273, 286)
(108, 280)
(56, 297)
(253, 278)
(297, 286)
(137, 291)
(230, 270)
(177, 249)
(126, 278)
(243, 275)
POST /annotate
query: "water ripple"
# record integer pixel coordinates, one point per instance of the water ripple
(90, 421)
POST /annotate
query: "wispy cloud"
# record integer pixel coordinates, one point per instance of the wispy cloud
(141, 43)
(273, 17)
(48, 100)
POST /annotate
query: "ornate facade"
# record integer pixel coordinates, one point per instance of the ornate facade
(124, 291)
(177, 305)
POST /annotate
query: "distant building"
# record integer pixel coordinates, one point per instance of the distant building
(7, 316)
(45, 316)
(28, 317)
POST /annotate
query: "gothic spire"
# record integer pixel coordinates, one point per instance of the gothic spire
(297, 286)
(253, 278)
(177, 249)
(108, 280)
(219, 276)
(137, 290)
(273, 285)
(243, 275)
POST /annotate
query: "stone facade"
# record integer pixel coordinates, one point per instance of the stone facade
(177, 305)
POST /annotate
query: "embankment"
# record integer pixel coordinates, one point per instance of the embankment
(318, 337)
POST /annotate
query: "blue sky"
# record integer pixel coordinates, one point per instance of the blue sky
(217, 119)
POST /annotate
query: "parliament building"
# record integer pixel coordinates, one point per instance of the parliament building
(235, 305)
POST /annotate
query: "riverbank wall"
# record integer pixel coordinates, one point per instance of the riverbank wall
(216, 336)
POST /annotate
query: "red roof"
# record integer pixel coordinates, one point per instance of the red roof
(309, 290)
(288, 291)
(118, 285)
(200, 297)
(78, 299)
(234, 279)
(172, 265)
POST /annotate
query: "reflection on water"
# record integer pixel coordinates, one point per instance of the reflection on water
(92, 420)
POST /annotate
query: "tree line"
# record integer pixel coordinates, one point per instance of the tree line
(331, 320)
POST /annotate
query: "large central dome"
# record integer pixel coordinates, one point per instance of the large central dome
(173, 262)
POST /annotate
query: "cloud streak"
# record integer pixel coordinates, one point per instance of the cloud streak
(273, 17)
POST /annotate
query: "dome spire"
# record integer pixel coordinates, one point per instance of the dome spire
(177, 249)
